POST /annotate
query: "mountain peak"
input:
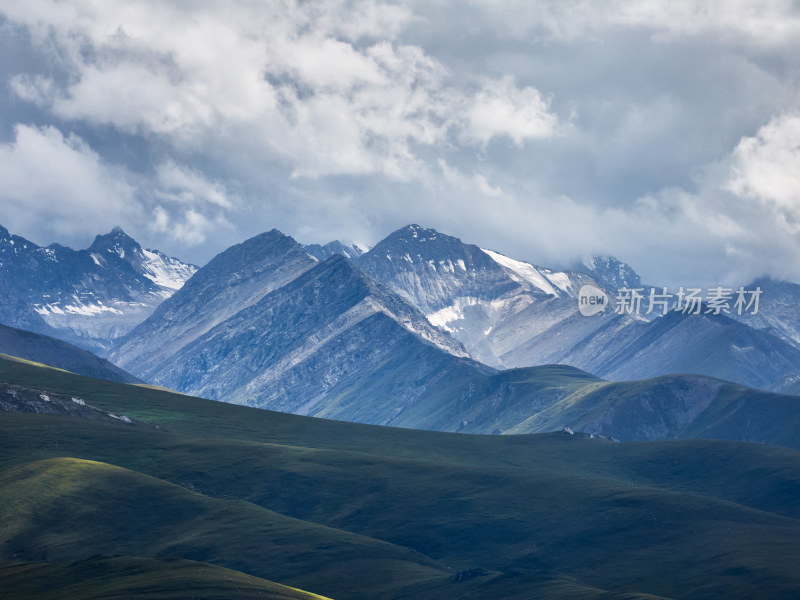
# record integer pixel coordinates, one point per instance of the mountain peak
(339, 267)
(117, 242)
(419, 234)
(346, 249)
(409, 239)
(252, 256)
(612, 273)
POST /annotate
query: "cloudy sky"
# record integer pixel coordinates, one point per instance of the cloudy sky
(666, 133)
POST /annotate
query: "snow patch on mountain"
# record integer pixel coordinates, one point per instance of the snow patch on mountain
(561, 280)
(347, 249)
(442, 318)
(165, 271)
(78, 308)
(523, 272)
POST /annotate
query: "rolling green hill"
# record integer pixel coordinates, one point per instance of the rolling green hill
(138, 579)
(674, 406)
(65, 508)
(355, 511)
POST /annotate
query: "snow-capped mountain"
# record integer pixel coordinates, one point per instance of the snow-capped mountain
(511, 314)
(612, 274)
(376, 339)
(493, 304)
(779, 309)
(166, 272)
(88, 297)
(346, 249)
(267, 324)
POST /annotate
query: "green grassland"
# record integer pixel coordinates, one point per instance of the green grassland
(356, 511)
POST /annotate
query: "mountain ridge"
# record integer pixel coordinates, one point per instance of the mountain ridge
(57, 353)
(85, 297)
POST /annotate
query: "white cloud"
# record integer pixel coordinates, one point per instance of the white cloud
(349, 117)
(188, 186)
(766, 169)
(57, 184)
(503, 109)
(187, 226)
(33, 88)
(190, 206)
(760, 22)
(302, 83)
(755, 22)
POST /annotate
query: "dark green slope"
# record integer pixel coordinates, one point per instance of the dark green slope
(554, 516)
(135, 578)
(63, 509)
(57, 353)
(493, 403)
(674, 406)
(606, 531)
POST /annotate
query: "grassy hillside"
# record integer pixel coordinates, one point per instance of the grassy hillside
(686, 406)
(135, 578)
(65, 508)
(51, 351)
(354, 511)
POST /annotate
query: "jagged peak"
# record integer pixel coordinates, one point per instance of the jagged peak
(612, 272)
(349, 250)
(419, 233)
(413, 235)
(116, 241)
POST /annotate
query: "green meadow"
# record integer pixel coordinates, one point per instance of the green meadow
(203, 499)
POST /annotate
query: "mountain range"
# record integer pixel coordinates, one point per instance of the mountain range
(511, 314)
(420, 332)
(115, 490)
(86, 297)
(350, 340)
